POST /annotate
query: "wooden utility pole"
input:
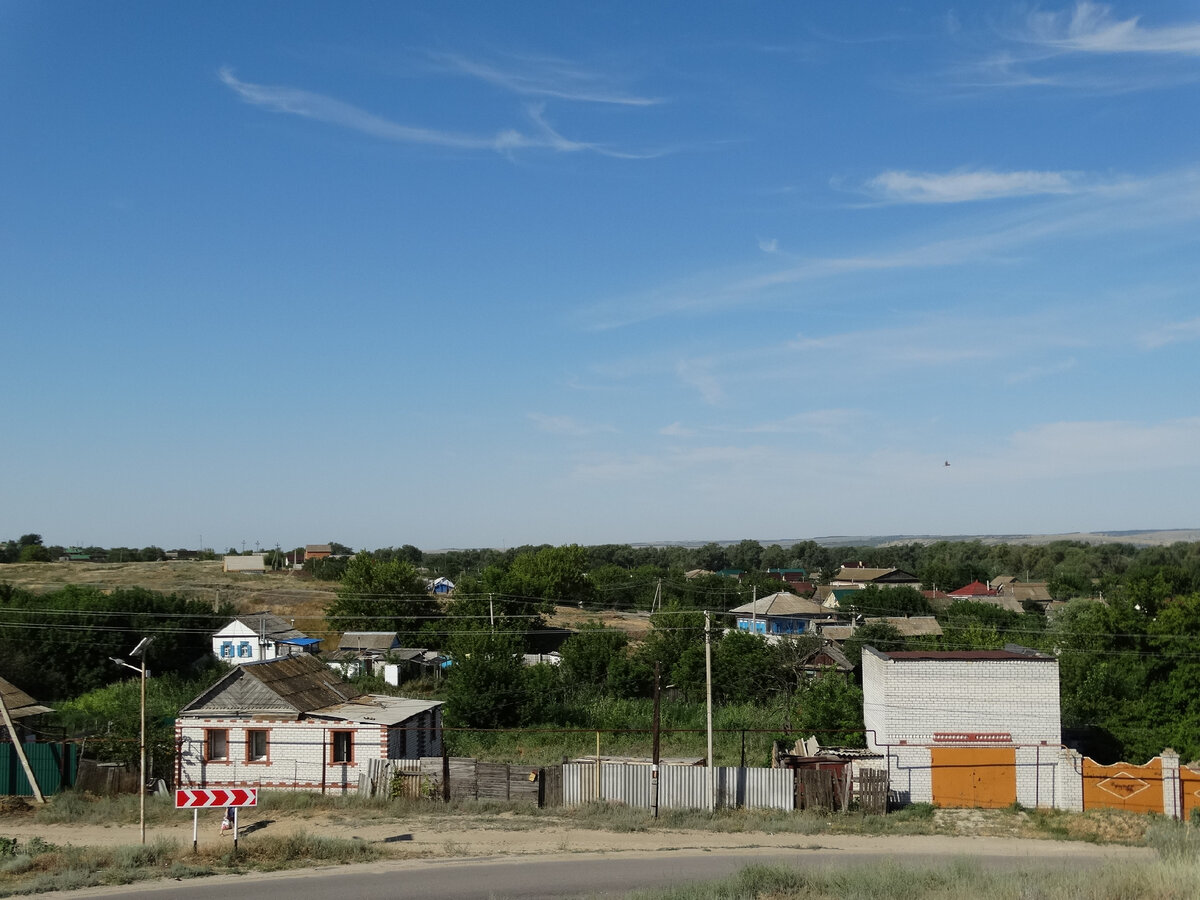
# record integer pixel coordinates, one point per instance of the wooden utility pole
(20, 751)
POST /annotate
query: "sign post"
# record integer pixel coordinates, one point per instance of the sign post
(197, 799)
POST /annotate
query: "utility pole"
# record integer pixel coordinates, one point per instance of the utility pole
(657, 725)
(754, 610)
(140, 651)
(491, 613)
(657, 601)
(712, 780)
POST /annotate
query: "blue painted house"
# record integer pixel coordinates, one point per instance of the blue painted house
(780, 613)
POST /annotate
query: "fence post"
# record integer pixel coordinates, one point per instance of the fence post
(445, 772)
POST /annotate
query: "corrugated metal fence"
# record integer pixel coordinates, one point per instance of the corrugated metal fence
(679, 787)
(53, 766)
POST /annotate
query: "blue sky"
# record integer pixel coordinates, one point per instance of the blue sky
(462, 274)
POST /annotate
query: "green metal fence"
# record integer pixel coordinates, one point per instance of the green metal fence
(54, 766)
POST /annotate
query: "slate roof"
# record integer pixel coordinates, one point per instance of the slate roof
(1038, 592)
(18, 703)
(292, 685)
(908, 626)
(369, 640)
(781, 604)
(269, 625)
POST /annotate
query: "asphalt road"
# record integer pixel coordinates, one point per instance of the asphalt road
(575, 875)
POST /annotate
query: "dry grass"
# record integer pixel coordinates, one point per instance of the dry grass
(37, 867)
(635, 625)
(284, 593)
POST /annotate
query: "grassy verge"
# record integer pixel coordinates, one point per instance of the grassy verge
(1096, 826)
(1161, 880)
(37, 866)
(1173, 876)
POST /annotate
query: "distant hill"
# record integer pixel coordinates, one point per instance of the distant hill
(1140, 538)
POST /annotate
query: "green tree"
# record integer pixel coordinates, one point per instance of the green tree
(588, 656)
(746, 555)
(880, 635)
(742, 664)
(831, 707)
(34, 553)
(381, 596)
(109, 718)
(711, 556)
(484, 684)
(554, 574)
(889, 601)
(59, 644)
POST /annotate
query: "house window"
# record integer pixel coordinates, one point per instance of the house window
(216, 745)
(227, 650)
(341, 747)
(244, 650)
(256, 745)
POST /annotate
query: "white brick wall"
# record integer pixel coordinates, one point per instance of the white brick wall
(298, 754)
(907, 701)
(910, 700)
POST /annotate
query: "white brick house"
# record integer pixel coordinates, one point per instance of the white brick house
(293, 724)
(968, 728)
(257, 636)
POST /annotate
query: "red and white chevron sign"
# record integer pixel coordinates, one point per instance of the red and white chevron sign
(198, 798)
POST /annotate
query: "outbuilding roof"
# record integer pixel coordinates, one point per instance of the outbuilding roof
(18, 703)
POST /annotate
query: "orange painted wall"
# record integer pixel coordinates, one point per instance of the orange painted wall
(1122, 786)
(983, 777)
(1190, 790)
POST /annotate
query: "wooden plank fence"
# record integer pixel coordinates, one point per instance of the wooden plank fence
(871, 789)
(469, 780)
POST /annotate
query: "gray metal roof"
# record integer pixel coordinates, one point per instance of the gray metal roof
(377, 709)
(269, 625)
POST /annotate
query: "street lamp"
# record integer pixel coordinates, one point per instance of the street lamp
(140, 651)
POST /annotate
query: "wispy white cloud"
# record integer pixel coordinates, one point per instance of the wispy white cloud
(310, 105)
(1092, 28)
(822, 422)
(697, 373)
(965, 185)
(1078, 49)
(568, 426)
(768, 245)
(546, 77)
(677, 429)
(1119, 206)
(1094, 447)
(1174, 333)
(1036, 373)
